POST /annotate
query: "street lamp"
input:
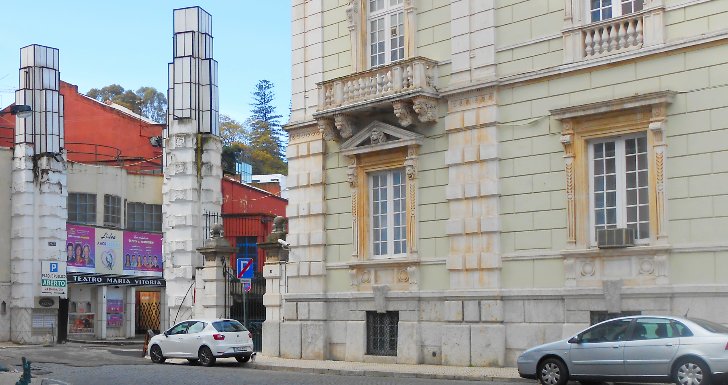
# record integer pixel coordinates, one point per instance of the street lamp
(20, 110)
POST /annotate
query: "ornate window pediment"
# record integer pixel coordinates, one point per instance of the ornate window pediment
(379, 136)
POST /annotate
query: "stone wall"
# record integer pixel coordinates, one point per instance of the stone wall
(5, 172)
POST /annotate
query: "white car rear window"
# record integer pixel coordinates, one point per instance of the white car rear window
(228, 326)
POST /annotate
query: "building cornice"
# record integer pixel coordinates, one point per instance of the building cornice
(590, 64)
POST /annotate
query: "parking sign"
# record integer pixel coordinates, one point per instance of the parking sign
(245, 268)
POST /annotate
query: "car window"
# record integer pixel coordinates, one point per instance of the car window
(607, 332)
(196, 327)
(180, 328)
(652, 329)
(229, 326)
(710, 326)
(681, 330)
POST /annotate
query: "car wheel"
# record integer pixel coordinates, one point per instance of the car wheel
(205, 356)
(156, 354)
(193, 361)
(552, 371)
(242, 359)
(691, 371)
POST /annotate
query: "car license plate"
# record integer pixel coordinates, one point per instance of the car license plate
(237, 350)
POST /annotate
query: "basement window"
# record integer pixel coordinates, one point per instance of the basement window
(382, 333)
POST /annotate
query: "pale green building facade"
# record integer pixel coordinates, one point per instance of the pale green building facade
(453, 165)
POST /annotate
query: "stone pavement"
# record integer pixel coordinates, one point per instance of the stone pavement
(387, 370)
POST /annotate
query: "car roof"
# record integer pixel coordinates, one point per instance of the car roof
(208, 320)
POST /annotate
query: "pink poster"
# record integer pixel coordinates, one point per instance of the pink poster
(80, 246)
(143, 254)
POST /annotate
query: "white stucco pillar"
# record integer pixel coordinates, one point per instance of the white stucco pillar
(192, 171)
(38, 192)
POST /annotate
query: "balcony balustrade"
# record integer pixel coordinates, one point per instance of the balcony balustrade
(613, 35)
(408, 87)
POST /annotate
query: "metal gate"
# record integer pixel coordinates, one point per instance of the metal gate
(246, 307)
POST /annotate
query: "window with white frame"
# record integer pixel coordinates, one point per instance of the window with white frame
(619, 185)
(112, 210)
(606, 9)
(388, 212)
(82, 208)
(386, 31)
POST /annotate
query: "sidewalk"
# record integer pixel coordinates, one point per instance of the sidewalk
(387, 370)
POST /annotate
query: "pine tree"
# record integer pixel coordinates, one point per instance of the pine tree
(265, 119)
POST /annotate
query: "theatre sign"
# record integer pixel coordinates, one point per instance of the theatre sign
(53, 278)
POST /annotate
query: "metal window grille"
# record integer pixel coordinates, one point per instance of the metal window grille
(112, 210)
(143, 217)
(382, 333)
(82, 208)
(596, 317)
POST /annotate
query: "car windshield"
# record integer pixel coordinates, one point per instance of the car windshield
(710, 326)
(229, 326)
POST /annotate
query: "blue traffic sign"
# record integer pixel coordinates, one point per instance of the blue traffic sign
(245, 268)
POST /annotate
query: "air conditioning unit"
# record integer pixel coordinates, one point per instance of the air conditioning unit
(615, 238)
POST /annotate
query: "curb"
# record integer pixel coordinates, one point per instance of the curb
(380, 373)
(108, 342)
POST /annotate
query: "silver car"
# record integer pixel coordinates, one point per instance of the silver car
(637, 348)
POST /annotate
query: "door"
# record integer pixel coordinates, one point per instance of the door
(147, 311)
(600, 350)
(191, 341)
(651, 347)
(172, 344)
(62, 320)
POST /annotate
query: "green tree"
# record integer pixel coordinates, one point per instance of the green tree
(264, 149)
(153, 104)
(231, 131)
(264, 112)
(260, 140)
(146, 101)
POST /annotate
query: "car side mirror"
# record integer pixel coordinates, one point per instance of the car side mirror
(575, 340)
(166, 334)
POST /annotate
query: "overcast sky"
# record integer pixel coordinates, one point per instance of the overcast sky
(130, 43)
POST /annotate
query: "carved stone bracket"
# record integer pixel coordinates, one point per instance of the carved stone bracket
(327, 128)
(403, 112)
(345, 125)
(351, 176)
(425, 108)
(567, 140)
(352, 14)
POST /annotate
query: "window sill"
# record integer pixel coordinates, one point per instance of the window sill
(406, 260)
(617, 252)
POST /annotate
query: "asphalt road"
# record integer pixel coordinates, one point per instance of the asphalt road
(80, 364)
(226, 373)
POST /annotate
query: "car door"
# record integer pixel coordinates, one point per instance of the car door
(599, 351)
(193, 339)
(172, 344)
(650, 348)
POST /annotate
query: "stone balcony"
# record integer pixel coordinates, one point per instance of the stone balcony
(407, 88)
(627, 33)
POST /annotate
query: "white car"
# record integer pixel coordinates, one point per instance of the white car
(203, 341)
